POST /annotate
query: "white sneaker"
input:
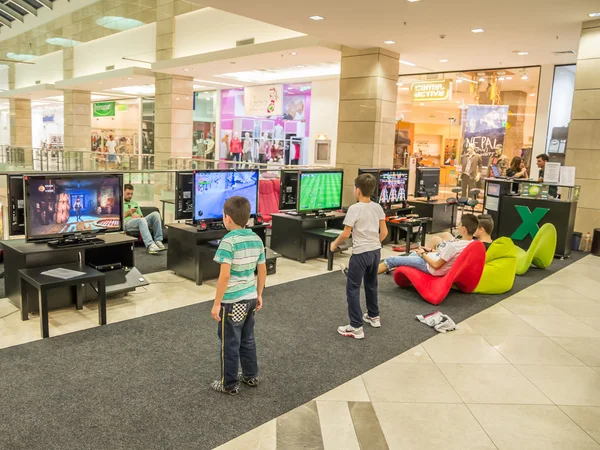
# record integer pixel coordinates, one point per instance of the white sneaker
(160, 245)
(375, 322)
(153, 249)
(349, 331)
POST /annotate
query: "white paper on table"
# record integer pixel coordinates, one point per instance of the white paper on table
(552, 172)
(65, 274)
(567, 175)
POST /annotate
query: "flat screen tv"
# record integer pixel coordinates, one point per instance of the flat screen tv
(58, 206)
(392, 186)
(428, 182)
(184, 196)
(16, 205)
(213, 187)
(320, 190)
(288, 194)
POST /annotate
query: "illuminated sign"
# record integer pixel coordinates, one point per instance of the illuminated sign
(431, 91)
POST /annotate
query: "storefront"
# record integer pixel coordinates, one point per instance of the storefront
(119, 119)
(444, 117)
(205, 124)
(271, 122)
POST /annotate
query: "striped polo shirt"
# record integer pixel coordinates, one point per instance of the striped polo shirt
(243, 250)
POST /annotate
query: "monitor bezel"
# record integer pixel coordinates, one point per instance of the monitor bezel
(61, 176)
(214, 220)
(179, 215)
(309, 211)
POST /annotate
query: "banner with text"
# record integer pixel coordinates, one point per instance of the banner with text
(104, 109)
(263, 101)
(485, 128)
(431, 91)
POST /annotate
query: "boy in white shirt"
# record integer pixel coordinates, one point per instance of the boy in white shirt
(436, 262)
(366, 221)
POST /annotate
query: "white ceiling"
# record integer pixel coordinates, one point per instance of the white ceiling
(279, 58)
(539, 27)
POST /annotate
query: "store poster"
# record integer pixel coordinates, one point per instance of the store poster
(485, 128)
(263, 101)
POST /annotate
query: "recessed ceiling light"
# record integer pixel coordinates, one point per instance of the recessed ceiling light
(594, 14)
(406, 63)
(413, 1)
(421, 104)
(443, 60)
(404, 89)
(399, 84)
(509, 78)
(389, 42)
(118, 23)
(477, 30)
(62, 42)
(482, 79)
(524, 77)
(293, 53)
(532, 95)
(459, 81)
(501, 79)
(522, 53)
(317, 17)
(186, 70)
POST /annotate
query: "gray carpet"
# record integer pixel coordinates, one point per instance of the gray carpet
(147, 263)
(144, 383)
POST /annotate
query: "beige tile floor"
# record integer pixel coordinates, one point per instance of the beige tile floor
(524, 374)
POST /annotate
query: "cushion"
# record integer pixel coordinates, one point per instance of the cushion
(465, 275)
(541, 251)
(500, 268)
(268, 198)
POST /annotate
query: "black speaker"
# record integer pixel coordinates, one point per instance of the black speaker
(259, 219)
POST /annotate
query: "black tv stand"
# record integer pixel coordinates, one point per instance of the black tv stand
(74, 241)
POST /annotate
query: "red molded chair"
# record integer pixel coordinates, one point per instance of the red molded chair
(464, 275)
(268, 199)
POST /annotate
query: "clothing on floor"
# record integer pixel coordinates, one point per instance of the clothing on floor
(362, 266)
(441, 322)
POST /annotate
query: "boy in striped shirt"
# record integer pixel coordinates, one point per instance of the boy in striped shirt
(238, 297)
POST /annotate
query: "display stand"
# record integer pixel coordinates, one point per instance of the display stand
(288, 237)
(190, 253)
(115, 249)
(439, 211)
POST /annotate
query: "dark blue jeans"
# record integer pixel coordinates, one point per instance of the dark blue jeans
(236, 333)
(362, 267)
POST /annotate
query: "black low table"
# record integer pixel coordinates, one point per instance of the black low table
(43, 283)
(326, 239)
(409, 226)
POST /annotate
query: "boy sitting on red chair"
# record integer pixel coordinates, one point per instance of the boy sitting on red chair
(438, 260)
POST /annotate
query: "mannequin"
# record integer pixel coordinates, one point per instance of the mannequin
(247, 148)
(471, 164)
(235, 147)
(499, 160)
(210, 148)
(262, 151)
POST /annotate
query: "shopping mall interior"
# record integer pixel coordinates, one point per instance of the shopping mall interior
(431, 164)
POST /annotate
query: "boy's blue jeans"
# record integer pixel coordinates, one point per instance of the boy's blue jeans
(362, 267)
(412, 260)
(236, 333)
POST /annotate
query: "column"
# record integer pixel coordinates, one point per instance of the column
(367, 112)
(583, 145)
(173, 126)
(78, 120)
(20, 120)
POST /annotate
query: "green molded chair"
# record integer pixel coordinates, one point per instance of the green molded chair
(500, 267)
(541, 251)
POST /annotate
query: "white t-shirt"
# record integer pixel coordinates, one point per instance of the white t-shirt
(364, 219)
(449, 252)
(111, 146)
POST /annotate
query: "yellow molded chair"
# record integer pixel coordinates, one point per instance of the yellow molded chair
(541, 251)
(500, 267)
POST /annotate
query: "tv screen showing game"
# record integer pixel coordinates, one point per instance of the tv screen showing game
(213, 188)
(393, 186)
(320, 190)
(60, 205)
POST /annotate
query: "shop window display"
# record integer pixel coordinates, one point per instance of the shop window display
(203, 143)
(466, 122)
(278, 139)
